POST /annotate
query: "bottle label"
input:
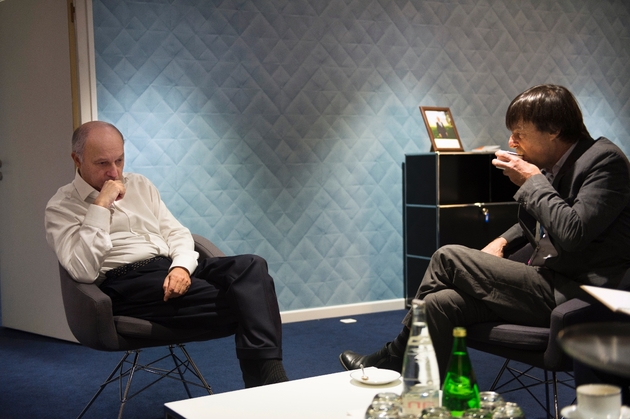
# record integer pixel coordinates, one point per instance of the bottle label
(415, 402)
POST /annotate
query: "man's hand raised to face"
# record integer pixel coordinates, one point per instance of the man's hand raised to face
(112, 190)
(514, 167)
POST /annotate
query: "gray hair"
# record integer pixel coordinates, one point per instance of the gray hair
(81, 134)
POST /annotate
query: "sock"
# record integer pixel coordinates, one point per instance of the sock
(273, 372)
(399, 344)
(259, 372)
(251, 372)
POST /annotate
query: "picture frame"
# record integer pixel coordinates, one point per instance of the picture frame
(441, 128)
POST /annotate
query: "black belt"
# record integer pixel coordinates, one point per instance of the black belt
(125, 269)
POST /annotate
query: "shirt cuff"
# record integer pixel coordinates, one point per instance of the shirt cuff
(98, 217)
(184, 262)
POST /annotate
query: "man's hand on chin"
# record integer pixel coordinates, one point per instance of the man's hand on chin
(112, 190)
(176, 283)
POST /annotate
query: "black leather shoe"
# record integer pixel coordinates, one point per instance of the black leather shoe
(383, 358)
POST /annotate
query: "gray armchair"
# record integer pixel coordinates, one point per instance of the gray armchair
(537, 347)
(89, 314)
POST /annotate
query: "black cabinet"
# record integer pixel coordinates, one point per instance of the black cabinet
(451, 198)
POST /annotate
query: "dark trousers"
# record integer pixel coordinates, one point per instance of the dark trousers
(464, 286)
(234, 292)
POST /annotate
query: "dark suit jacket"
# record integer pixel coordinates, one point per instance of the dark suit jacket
(586, 213)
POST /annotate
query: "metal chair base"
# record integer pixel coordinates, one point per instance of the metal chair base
(525, 380)
(126, 368)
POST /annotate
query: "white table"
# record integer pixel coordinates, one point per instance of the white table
(323, 397)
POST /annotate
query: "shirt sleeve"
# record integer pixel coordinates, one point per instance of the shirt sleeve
(574, 222)
(81, 245)
(515, 237)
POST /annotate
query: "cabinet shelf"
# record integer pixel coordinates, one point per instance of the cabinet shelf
(451, 198)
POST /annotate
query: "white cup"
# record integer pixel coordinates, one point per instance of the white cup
(598, 401)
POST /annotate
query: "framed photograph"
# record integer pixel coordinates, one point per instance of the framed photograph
(441, 128)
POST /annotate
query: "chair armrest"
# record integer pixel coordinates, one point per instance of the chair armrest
(574, 311)
(206, 248)
(89, 313)
(581, 310)
(570, 312)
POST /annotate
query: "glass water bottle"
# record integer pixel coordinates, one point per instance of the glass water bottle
(421, 377)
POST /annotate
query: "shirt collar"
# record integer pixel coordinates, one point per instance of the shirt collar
(83, 188)
(556, 167)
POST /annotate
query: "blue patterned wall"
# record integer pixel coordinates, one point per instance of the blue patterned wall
(278, 127)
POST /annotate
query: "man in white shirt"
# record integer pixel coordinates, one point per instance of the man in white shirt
(111, 228)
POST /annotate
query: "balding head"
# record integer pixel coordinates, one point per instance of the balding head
(98, 153)
(81, 134)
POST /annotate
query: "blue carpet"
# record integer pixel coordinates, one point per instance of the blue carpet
(47, 378)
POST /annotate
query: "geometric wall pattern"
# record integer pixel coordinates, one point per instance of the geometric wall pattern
(279, 127)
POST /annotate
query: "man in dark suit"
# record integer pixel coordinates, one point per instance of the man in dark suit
(575, 190)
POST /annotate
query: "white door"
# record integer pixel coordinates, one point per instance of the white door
(35, 132)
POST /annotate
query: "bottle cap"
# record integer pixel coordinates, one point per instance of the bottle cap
(417, 302)
(459, 332)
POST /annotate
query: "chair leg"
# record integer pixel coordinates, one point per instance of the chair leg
(196, 372)
(517, 377)
(132, 370)
(105, 383)
(119, 373)
(178, 365)
(555, 394)
(499, 375)
(546, 375)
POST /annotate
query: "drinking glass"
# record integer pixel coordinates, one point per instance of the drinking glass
(508, 411)
(477, 414)
(384, 406)
(490, 400)
(388, 397)
(435, 413)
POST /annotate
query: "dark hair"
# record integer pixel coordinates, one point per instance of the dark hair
(551, 109)
(80, 135)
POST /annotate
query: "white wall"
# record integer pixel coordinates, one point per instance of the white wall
(35, 132)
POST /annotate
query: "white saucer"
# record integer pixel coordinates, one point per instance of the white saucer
(376, 376)
(571, 412)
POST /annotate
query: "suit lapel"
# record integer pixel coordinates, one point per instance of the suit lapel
(569, 164)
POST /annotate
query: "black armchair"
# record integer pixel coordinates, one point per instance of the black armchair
(89, 314)
(537, 347)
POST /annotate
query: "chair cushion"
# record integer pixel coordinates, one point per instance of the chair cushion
(137, 328)
(510, 335)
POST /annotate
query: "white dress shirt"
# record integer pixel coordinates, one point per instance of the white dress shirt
(89, 240)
